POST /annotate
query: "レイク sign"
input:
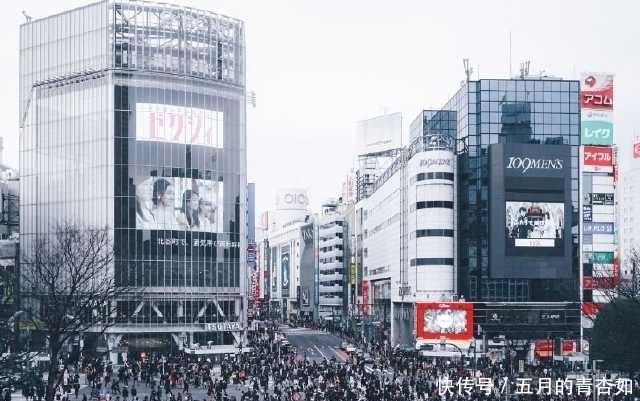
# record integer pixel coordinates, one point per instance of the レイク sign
(597, 159)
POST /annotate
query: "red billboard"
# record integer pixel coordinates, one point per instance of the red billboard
(597, 92)
(365, 297)
(597, 159)
(452, 320)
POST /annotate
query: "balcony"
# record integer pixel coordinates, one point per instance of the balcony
(331, 277)
(330, 288)
(333, 241)
(330, 231)
(331, 301)
(334, 253)
(324, 266)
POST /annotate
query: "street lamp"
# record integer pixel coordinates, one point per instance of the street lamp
(593, 372)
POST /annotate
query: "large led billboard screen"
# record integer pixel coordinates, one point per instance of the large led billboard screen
(170, 203)
(177, 124)
(452, 320)
(530, 211)
(534, 224)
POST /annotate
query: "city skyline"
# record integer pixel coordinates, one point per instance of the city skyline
(318, 69)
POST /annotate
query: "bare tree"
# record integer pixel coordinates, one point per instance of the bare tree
(69, 288)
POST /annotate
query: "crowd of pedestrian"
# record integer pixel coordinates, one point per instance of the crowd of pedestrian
(274, 373)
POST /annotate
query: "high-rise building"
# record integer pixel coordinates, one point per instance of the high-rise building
(132, 117)
(520, 115)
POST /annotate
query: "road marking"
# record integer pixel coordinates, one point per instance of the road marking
(323, 355)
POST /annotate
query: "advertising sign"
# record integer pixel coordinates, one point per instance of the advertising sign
(531, 224)
(597, 228)
(452, 320)
(597, 133)
(602, 199)
(636, 150)
(292, 198)
(365, 297)
(177, 124)
(596, 91)
(597, 159)
(171, 203)
(587, 213)
(602, 257)
(274, 271)
(352, 274)
(307, 266)
(284, 263)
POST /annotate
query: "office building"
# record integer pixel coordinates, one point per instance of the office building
(332, 262)
(132, 117)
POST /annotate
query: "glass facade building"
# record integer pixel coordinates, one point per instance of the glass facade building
(132, 117)
(491, 111)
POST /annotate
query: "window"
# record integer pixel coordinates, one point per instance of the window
(434, 233)
(434, 204)
(432, 262)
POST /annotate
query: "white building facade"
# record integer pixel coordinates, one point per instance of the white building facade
(408, 233)
(332, 263)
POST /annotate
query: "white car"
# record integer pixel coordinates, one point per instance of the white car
(350, 348)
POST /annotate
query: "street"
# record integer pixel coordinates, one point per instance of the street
(316, 345)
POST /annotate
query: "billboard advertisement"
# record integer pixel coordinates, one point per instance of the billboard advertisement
(171, 203)
(596, 91)
(177, 124)
(597, 159)
(587, 213)
(636, 150)
(596, 132)
(379, 134)
(307, 266)
(284, 264)
(452, 320)
(292, 199)
(597, 228)
(531, 224)
(530, 211)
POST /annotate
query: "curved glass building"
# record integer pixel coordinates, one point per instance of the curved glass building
(132, 117)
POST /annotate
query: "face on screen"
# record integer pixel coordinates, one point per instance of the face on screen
(170, 203)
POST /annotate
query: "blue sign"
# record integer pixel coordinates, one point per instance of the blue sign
(597, 228)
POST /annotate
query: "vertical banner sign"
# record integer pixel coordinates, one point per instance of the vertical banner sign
(365, 297)
(274, 271)
(636, 150)
(352, 274)
(307, 266)
(284, 263)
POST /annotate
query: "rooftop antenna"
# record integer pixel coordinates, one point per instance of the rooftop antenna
(510, 73)
(467, 70)
(524, 69)
(27, 16)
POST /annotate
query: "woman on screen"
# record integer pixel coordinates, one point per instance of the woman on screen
(144, 217)
(163, 210)
(206, 216)
(188, 217)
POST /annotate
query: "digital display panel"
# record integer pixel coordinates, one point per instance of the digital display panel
(177, 124)
(452, 320)
(534, 224)
(180, 204)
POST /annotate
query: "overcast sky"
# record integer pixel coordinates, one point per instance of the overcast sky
(319, 66)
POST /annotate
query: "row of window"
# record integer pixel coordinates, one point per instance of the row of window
(438, 175)
(431, 262)
(433, 233)
(432, 204)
